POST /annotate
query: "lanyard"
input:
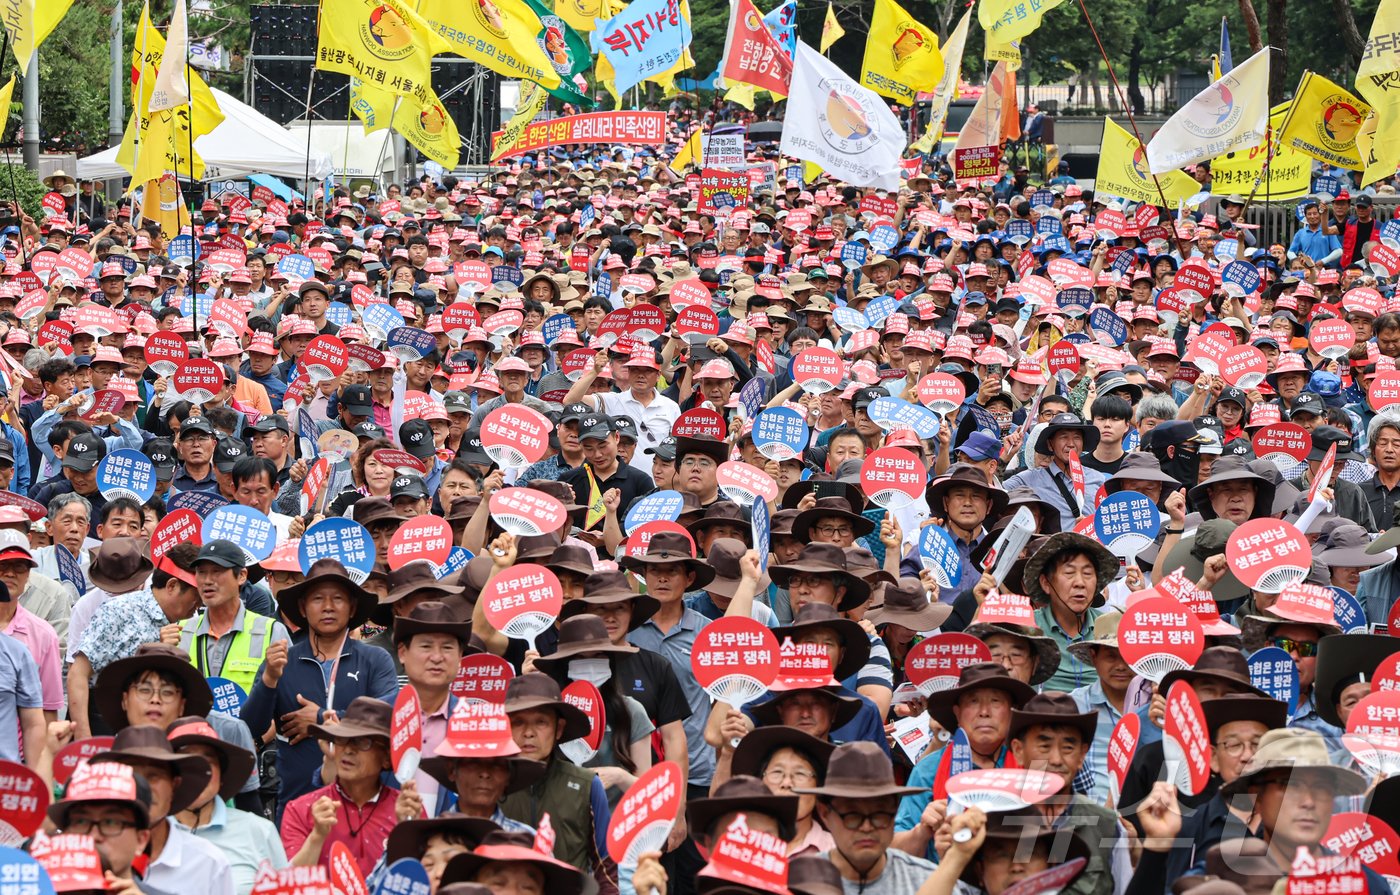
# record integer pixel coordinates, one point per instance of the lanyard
(335, 668)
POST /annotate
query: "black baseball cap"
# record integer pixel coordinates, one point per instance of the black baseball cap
(416, 437)
(625, 427)
(228, 452)
(222, 553)
(162, 453)
(1307, 402)
(408, 486)
(572, 413)
(369, 429)
(596, 426)
(356, 399)
(270, 423)
(84, 452)
(196, 424)
(666, 450)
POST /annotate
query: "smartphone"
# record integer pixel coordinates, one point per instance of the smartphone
(994, 370)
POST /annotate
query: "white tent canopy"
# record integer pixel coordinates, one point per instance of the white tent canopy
(246, 143)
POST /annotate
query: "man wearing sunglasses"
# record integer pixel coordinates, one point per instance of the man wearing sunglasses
(1288, 625)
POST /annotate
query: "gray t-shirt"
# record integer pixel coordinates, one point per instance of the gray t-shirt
(19, 689)
(903, 875)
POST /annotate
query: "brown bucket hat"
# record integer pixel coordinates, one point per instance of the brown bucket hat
(782, 523)
(579, 636)
(670, 547)
(974, 677)
(1343, 660)
(141, 743)
(1140, 466)
(746, 794)
(536, 548)
(571, 558)
(235, 763)
(372, 510)
(724, 512)
(607, 587)
(120, 565)
(824, 559)
(409, 838)
(860, 770)
(724, 557)
(365, 716)
(813, 875)
(537, 690)
(967, 475)
(1245, 707)
(854, 641)
(827, 508)
(717, 451)
(907, 604)
(1218, 663)
(1053, 707)
(1029, 823)
(1246, 862)
(1291, 749)
(321, 571)
(433, 617)
(114, 679)
(759, 744)
(1045, 649)
(416, 577)
(863, 564)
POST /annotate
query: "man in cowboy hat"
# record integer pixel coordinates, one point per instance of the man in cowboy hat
(1293, 784)
(430, 642)
(857, 803)
(574, 797)
(356, 809)
(965, 501)
(981, 706)
(110, 802)
(1066, 436)
(176, 855)
(645, 675)
(298, 683)
(508, 863)
(821, 574)
(1066, 578)
(1049, 733)
(996, 850)
(764, 810)
(1233, 492)
(697, 463)
(246, 839)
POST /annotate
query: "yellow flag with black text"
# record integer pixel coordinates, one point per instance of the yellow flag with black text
(505, 36)
(1375, 81)
(382, 42)
(160, 202)
(1325, 121)
(1010, 20)
(428, 127)
(29, 23)
(373, 107)
(1123, 171)
(596, 511)
(1289, 171)
(901, 55)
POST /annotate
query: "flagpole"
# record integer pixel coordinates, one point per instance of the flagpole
(1273, 144)
(136, 111)
(1122, 100)
(349, 118)
(310, 83)
(194, 261)
(9, 165)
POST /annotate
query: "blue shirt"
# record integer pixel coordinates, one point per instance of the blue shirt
(1313, 243)
(1046, 482)
(1091, 698)
(1072, 673)
(676, 645)
(19, 689)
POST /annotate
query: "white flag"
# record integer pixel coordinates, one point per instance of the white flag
(839, 125)
(172, 88)
(1231, 114)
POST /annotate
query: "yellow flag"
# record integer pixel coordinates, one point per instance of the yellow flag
(1123, 171)
(429, 129)
(532, 99)
(690, 153)
(831, 29)
(596, 511)
(160, 202)
(1375, 81)
(1325, 121)
(148, 52)
(1010, 53)
(382, 42)
(1290, 171)
(901, 55)
(1008, 20)
(502, 35)
(6, 93)
(30, 22)
(579, 14)
(947, 89)
(373, 107)
(743, 94)
(810, 171)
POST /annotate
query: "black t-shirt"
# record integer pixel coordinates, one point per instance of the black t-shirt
(1089, 461)
(649, 678)
(630, 480)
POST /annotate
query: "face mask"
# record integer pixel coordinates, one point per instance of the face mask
(596, 671)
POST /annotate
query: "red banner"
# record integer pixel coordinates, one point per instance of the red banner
(630, 127)
(721, 192)
(754, 56)
(976, 162)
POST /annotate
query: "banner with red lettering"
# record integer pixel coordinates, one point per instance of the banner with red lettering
(751, 55)
(629, 127)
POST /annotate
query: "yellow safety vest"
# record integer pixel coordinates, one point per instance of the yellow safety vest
(245, 653)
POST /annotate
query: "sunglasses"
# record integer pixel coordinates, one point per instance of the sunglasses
(1304, 649)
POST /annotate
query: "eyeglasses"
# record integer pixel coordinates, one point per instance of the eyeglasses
(834, 531)
(107, 826)
(356, 744)
(795, 581)
(776, 776)
(1303, 648)
(854, 820)
(166, 694)
(1235, 748)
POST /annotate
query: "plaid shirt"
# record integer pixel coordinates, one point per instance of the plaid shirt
(1092, 779)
